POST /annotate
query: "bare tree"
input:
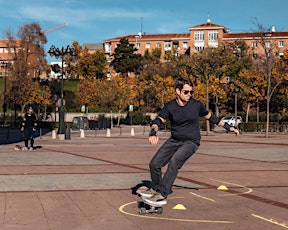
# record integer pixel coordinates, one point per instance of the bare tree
(265, 64)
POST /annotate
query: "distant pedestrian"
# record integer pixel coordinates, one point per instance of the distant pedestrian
(29, 125)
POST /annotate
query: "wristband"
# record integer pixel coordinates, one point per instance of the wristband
(214, 119)
(152, 133)
(227, 126)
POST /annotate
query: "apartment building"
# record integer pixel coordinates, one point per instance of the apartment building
(199, 37)
(7, 56)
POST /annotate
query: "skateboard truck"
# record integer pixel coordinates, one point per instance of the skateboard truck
(146, 208)
(143, 207)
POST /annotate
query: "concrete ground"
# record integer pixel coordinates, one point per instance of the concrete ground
(83, 183)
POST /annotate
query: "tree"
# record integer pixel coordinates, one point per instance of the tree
(205, 66)
(29, 59)
(125, 60)
(265, 64)
(252, 86)
(92, 66)
(114, 94)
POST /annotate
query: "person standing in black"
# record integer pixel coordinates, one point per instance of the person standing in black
(184, 114)
(29, 126)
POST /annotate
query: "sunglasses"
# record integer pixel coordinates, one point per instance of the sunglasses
(188, 91)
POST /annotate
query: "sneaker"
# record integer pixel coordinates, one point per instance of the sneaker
(24, 148)
(148, 193)
(156, 200)
(31, 148)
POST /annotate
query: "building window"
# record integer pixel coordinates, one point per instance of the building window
(167, 45)
(185, 45)
(267, 44)
(281, 44)
(138, 46)
(158, 45)
(198, 48)
(199, 36)
(148, 45)
(254, 44)
(213, 35)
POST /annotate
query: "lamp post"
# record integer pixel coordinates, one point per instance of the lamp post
(61, 53)
(236, 91)
(6, 66)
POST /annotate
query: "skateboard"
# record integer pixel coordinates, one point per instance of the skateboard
(143, 207)
(21, 148)
(18, 147)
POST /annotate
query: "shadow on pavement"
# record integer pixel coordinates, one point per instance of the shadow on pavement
(9, 135)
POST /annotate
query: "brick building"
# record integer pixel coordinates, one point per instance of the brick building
(7, 56)
(200, 36)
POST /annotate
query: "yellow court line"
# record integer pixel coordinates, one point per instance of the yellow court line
(249, 190)
(121, 209)
(271, 221)
(203, 197)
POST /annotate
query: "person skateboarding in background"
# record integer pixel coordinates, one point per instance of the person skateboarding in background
(184, 114)
(29, 125)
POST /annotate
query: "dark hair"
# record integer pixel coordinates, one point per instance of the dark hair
(29, 107)
(181, 82)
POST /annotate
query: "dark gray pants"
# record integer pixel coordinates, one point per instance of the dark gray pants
(174, 153)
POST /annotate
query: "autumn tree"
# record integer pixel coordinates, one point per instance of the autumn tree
(252, 86)
(205, 64)
(114, 94)
(280, 78)
(29, 59)
(86, 64)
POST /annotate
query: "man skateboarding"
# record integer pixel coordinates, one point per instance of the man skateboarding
(184, 113)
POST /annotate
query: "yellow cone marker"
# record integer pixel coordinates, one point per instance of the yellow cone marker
(222, 188)
(179, 207)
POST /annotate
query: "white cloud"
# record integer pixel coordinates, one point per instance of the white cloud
(77, 17)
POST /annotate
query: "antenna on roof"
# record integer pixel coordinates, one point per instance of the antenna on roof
(208, 19)
(141, 30)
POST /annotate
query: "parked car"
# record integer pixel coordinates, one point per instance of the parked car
(231, 120)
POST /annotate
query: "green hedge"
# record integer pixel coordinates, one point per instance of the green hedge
(261, 127)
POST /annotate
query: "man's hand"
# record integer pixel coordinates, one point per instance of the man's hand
(235, 130)
(153, 140)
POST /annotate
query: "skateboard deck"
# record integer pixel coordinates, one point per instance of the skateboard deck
(18, 148)
(143, 207)
(21, 148)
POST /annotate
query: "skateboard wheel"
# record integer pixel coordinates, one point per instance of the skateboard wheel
(159, 210)
(142, 211)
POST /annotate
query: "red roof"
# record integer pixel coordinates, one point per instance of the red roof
(151, 37)
(252, 35)
(207, 24)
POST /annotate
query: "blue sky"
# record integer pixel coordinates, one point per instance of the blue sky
(93, 21)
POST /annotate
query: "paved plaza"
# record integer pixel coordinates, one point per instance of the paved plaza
(83, 183)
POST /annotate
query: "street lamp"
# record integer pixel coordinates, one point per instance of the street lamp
(5, 66)
(61, 53)
(236, 91)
